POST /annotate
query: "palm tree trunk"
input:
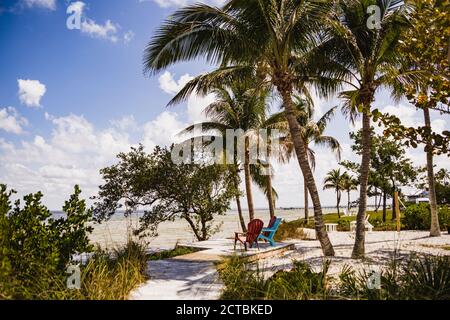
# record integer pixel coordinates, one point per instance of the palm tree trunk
(359, 248)
(241, 216)
(380, 199)
(238, 203)
(394, 212)
(435, 229)
(305, 187)
(376, 202)
(348, 201)
(248, 183)
(270, 197)
(284, 86)
(338, 200)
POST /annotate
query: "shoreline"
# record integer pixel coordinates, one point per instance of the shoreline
(115, 232)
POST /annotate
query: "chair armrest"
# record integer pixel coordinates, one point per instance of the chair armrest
(268, 229)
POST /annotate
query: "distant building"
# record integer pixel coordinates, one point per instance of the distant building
(419, 197)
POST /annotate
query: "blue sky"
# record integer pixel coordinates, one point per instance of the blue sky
(72, 99)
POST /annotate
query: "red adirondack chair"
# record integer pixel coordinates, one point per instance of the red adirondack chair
(251, 236)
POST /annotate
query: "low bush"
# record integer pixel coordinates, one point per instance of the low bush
(418, 217)
(243, 281)
(419, 278)
(36, 249)
(414, 278)
(291, 230)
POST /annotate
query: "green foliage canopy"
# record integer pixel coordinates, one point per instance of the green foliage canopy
(165, 191)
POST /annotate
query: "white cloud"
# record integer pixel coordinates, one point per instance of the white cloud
(128, 37)
(107, 31)
(74, 152)
(172, 86)
(195, 103)
(412, 117)
(11, 121)
(126, 123)
(180, 3)
(31, 92)
(46, 4)
(196, 106)
(162, 130)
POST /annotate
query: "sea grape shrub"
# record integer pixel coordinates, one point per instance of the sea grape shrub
(443, 193)
(35, 248)
(165, 191)
(418, 217)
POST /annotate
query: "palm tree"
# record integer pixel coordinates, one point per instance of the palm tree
(262, 175)
(311, 132)
(236, 107)
(334, 180)
(269, 39)
(365, 59)
(349, 184)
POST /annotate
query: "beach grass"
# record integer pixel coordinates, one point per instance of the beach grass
(105, 276)
(244, 281)
(416, 277)
(113, 276)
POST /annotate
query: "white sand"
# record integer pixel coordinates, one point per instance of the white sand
(176, 280)
(381, 247)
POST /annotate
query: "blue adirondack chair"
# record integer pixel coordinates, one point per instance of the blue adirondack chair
(268, 233)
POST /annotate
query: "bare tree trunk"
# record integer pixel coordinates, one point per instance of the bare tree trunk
(285, 88)
(305, 188)
(270, 197)
(435, 230)
(359, 248)
(248, 183)
(384, 206)
(194, 228)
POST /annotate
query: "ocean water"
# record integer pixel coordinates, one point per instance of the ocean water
(116, 231)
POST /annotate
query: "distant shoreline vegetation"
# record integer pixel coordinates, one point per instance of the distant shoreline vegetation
(59, 213)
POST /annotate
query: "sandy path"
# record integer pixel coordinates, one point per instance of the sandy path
(179, 280)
